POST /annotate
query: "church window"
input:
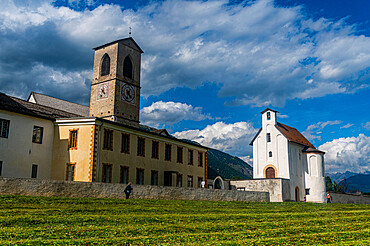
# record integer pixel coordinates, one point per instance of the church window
(270, 173)
(307, 192)
(72, 141)
(139, 176)
(268, 116)
(37, 134)
(125, 145)
(190, 156)
(140, 146)
(268, 136)
(34, 171)
(107, 173)
(127, 67)
(190, 181)
(105, 65)
(70, 175)
(179, 154)
(4, 128)
(200, 159)
(179, 180)
(155, 149)
(108, 139)
(270, 153)
(154, 178)
(167, 152)
(123, 175)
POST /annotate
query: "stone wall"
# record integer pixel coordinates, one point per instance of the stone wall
(349, 198)
(38, 187)
(279, 189)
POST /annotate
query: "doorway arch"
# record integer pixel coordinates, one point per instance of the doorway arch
(297, 198)
(270, 172)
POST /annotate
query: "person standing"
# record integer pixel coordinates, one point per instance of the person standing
(128, 190)
(328, 198)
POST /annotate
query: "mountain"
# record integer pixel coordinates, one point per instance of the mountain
(227, 166)
(340, 176)
(357, 182)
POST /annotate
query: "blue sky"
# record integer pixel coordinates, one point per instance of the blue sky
(210, 67)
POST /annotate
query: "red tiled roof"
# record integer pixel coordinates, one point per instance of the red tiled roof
(293, 135)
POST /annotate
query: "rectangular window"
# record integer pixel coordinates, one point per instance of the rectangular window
(167, 152)
(72, 141)
(155, 149)
(179, 180)
(268, 136)
(1, 168)
(140, 146)
(154, 178)
(307, 192)
(37, 134)
(123, 175)
(139, 176)
(270, 153)
(108, 139)
(107, 173)
(179, 154)
(125, 144)
(34, 171)
(4, 128)
(70, 175)
(190, 157)
(190, 181)
(200, 180)
(200, 159)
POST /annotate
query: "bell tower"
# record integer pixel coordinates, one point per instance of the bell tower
(115, 88)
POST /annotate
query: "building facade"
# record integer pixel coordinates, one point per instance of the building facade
(281, 151)
(49, 138)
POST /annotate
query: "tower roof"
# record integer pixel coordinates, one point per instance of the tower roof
(124, 41)
(268, 109)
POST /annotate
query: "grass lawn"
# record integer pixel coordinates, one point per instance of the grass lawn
(92, 221)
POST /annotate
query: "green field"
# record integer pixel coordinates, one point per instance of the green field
(91, 221)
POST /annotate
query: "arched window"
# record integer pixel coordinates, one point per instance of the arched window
(270, 153)
(105, 65)
(268, 116)
(270, 173)
(127, 67)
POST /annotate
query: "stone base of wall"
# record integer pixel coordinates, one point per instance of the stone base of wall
(349, 198)
(279, 189)
(38, 187)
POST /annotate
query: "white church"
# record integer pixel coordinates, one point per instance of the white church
(285, 163)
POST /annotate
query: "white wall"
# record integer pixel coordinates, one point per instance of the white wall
(314, 177)
(18, 153)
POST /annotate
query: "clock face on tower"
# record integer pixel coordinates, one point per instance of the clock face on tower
(128, 93)
(103, 91)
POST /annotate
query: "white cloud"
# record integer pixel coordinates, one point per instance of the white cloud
(231, 138)
(313, 130)
(347, 154)
(258, 53)
(367, 125)
(346, 126)
(169, 113)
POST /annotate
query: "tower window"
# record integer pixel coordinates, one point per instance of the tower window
(270, 154)
(268, 116)
(127, 67)
(268, 137)
(105, 66)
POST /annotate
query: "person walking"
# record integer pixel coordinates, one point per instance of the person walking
(128, 190)
(328, 198)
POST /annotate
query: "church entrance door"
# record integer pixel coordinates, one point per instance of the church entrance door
(270, 173)
(297, 194)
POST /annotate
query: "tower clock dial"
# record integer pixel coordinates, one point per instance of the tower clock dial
(128, 93)
(103, 91)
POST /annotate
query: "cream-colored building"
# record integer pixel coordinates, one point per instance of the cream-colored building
(49, 138)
